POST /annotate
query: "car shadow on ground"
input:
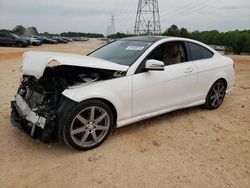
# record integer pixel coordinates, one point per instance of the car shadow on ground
(58, 148)
(158, 120)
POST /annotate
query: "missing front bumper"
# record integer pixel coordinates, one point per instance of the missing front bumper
(50, 130)
(24, 111)
(45, 133)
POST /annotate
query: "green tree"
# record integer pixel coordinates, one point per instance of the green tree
(239, 44)
(119, 35)
(5, 31)
(19, 30)
(184, 33)
(172, 31)
(79, 34)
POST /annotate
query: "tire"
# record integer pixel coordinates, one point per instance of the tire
(216, 95)
(87, 125)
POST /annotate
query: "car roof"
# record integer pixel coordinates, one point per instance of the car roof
(154, 39)
(145, 38)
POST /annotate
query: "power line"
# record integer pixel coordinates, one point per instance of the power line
(116, 6)
(120, 8)
(123, 12)
(186, 11)
(126, 9)
(184, 7)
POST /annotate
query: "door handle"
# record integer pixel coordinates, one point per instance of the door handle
(188, 70)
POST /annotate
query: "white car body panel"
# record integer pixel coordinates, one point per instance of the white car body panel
(133, 68)
(153, 93)
(117, 91)
(209, 71)
(140, 96)
(34, 63)
(163, 89)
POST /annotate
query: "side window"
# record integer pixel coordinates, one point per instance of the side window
(170, 53)
(198, 52)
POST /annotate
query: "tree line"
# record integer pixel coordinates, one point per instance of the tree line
(235, 41)
(21, 30)
(30, 31)
(79, 34)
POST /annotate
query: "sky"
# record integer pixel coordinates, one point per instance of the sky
(56, 16)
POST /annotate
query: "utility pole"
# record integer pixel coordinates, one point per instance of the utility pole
(147, 18)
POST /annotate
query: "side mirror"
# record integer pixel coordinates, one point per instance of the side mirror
(154, 65)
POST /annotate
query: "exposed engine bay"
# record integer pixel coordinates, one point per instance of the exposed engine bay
(42, 96)
(56, 79)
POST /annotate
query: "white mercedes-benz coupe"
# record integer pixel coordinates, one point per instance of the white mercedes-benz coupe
(79, 99)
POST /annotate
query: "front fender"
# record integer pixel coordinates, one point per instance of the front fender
(117, 91)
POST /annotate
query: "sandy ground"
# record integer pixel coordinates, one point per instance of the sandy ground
(187, 148)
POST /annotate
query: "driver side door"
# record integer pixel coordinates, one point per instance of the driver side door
(159, 90)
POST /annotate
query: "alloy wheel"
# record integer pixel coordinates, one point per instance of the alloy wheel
(90, 126)
(217, 95)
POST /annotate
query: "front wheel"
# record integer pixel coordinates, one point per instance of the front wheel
(87, 125)
(216, 95)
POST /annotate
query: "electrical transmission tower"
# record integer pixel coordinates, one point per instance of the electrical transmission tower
(111, 26)
(147, 18)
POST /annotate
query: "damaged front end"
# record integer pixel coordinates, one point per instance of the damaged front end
(38, 100)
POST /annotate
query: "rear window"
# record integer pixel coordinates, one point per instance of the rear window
(199, 52)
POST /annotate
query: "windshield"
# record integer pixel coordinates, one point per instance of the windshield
(122, 52)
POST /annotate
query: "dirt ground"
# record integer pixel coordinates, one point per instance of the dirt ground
(187, 148)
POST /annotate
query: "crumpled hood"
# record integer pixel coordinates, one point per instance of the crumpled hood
(34, 63)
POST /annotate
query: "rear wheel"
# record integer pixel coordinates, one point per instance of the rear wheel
(87, 125)
(216, 95)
